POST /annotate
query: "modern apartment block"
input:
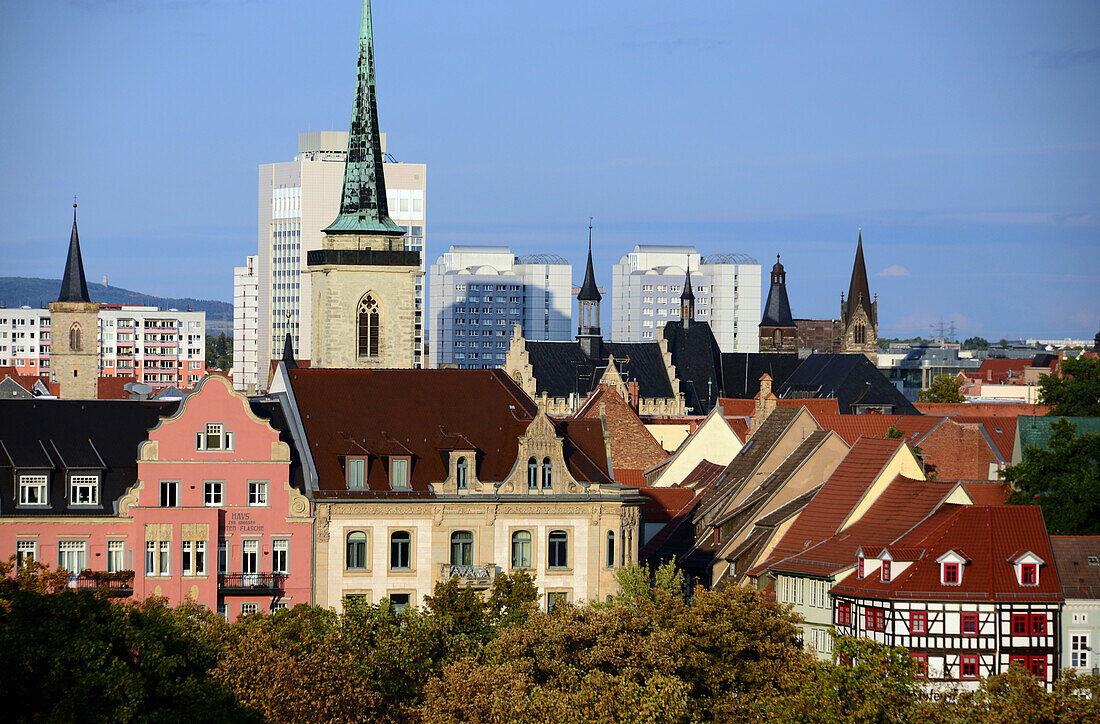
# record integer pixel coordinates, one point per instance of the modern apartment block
(159, 348)
(245, 299)
(299, 198)
(646, 287)
(480, 293)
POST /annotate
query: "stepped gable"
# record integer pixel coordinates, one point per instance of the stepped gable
(633, 446)
(53, 437)
(562, 368)
(377, 413)
(990, 537)
(698, 362)
(850, 378)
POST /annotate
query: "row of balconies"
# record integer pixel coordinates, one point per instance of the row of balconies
(121, 584)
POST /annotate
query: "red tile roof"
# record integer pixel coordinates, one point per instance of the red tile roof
(662, 504)
(740, 427)
(113, 388)
(852, 427)
(987, 535)
(840, 493)
(632, 444)
(377, 413)
(630, 476)
(991, 493)
(981, 409)
(958, 451)
(1080, 578)
(1001, 431)
(703, 475)
(734, 407)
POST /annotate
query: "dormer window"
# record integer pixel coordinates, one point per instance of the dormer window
(399, 473)
(461, 473)
(356, 468)
(1029, 574)
(84, 490)
(214, 437)
(951, 574)
(859, 567)
(886, 571)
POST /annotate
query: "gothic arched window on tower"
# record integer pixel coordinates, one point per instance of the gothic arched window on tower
(859, 336)
(777, 337)
(75, 342)
(368, 327)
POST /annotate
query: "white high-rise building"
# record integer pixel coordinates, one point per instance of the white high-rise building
(646, 286)
(245, 297)
(299, 198)
(479, 294)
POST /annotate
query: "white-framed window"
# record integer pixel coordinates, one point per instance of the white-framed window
(247, 608)
(399, 473)
(116, 556)
(278, 606)
(214, 437)
(213, 493)
(250, 556)
(158, 558)
(1079, 650)
(169, 493)
(84, 490)
(355, 470)
(257, 493)
(72, 555)
(26, 551)
(193, 558)
(32, 490)
(280, 555)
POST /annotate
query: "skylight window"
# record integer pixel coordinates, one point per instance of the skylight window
(1094, 561)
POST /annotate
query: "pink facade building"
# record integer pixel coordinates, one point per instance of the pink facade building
(196, 499)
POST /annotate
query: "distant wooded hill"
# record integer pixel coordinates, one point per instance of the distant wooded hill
(38, 293)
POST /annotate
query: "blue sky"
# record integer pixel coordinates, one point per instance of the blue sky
(963, 138)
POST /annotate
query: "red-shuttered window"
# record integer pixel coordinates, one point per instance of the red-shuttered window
(918, 622)
(874, 619)
(844, 614)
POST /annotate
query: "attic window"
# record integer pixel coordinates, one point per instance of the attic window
(1029, 574)
(399, 473)
(355, 469)
(1094, 561)
(214, 437)
(950, 574)
(886, 571)
(859, 567)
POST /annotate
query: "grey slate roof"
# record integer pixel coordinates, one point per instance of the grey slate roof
(589, 291)
(74, 288)
(698, 362)
(777, 310)
(850, 378)
(562, 368)
(741, 371)
(858, 290)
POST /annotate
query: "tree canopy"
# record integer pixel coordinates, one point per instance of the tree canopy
(1063, 479)
(1076, 392)
(944, 388)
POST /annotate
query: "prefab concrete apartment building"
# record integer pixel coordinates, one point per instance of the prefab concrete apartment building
(480, 293)
(646, 287)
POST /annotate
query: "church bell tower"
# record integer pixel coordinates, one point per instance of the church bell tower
(363, 279)
(74, 330)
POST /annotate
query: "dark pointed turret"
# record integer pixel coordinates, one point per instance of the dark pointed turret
(74, 288)
(777, 310)
(588, 305)
(288, 353)
(363, 205)
(687, 301)
(858, 290)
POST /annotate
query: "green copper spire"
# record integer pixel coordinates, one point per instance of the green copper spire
(363, 207)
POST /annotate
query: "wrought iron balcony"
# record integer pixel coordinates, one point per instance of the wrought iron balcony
(251, 583)
(115, 585)
(481, 576)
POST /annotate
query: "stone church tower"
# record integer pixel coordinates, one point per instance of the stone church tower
(778, 332)
(363, 280)
(74, 330)
(859, 314)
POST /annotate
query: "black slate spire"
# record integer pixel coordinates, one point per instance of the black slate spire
(858, 290)
(687, 293)
(589, 292)
(74, 288)
(777, 310)
(288, 353)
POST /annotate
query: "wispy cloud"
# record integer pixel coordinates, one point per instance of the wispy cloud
(896, 270)
(1062, 59)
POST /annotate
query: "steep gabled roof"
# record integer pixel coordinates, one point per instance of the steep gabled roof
(741, 371)
(698, 359)
(1077, 558)
(988, 535)
(632, 444)
(850, 378)
(562, 368)
(379, 413)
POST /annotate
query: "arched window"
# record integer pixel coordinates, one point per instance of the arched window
(400, 545)
(547, 474)
(777, 336)
(860, 334)
(532, 474)
(521, 549)
(460, 473)
(610, 549)
(462, 548)
(558, 550)
(356, 557)
(368, 327)
(75, 341)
